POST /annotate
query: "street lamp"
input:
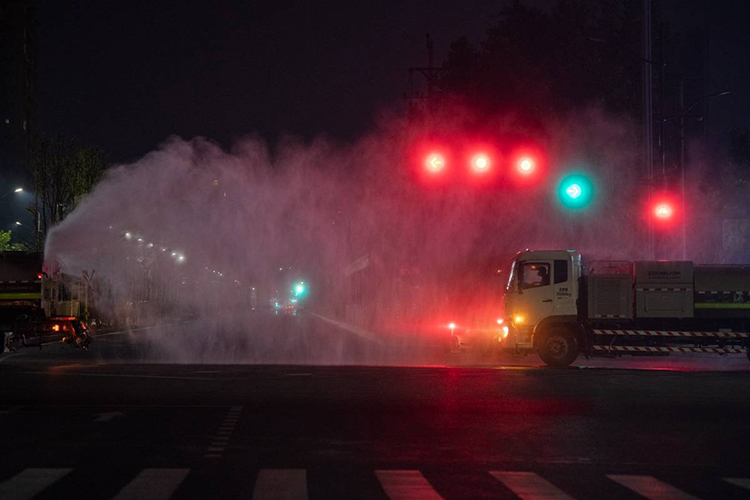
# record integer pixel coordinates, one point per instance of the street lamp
(16, 191)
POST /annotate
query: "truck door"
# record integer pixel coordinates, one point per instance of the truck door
(565, 288)
(535, 285)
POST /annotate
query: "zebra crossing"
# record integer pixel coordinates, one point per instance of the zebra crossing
(292, 484)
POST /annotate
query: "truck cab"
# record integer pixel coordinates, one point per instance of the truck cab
(541, 303)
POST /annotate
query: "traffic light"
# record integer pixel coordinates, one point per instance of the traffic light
(300, 289)
(480, 163)
(664, 211)
(435, 163)
(575, 191)
(525, 165)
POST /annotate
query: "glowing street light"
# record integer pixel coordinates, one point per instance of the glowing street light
(15, 191)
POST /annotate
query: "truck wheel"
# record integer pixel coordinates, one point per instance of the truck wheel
(559, 347)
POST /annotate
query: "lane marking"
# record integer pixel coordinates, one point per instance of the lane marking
(739, 481)
(406, 485)
(122, 332)
(530, 486)
(118, 375)
(154, 484)
(278, 484)
(107, 416)
(30, 482)
(650, 487)
(360, 332)
(223, 435)
(12, 355)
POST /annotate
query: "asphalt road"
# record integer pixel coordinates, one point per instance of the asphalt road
(298, 408)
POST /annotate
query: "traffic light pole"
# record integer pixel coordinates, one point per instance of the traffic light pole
(682, 171)
(648, 117)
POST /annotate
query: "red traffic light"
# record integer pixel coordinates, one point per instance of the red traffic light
(526, 165)
(434, 162)
(480, 163)
(663, 210)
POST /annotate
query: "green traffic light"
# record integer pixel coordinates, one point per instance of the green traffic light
(300, 289)
(575, 191)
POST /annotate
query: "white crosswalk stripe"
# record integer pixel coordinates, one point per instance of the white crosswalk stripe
(651, 488)
(30, 482)
(530, 486)
(406, 485)
(154, 484)
(742, 482)
(281, 484)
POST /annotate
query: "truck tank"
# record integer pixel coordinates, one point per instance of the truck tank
(722, 291)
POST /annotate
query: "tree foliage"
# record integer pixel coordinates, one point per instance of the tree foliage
(63, 172)
(536, 62)
(7, 246)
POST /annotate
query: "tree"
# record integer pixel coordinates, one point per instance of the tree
(537, 63)
(7, 246)
(63, 172)
(739, 151)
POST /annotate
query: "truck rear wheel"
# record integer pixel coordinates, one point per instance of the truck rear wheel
(559, 347)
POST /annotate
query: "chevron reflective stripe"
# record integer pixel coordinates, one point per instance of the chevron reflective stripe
(663, 289)
(634, 348)
(609, 316)
(669, 333)
(716, 292)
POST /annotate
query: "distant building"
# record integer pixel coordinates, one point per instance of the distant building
(18, 83)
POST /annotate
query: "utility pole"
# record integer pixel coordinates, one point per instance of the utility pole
(648, 117)
(429, 72)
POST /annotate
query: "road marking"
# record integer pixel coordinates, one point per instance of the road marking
(10, 410)
(650, 487)
(124, 332)
(360, 332)
(13, 355)
(739, 481)
(222, 436)
(122, 375)
(154, 484)
(406, 485)
(281, 484)
(30, 483)
(107, 416)
(530, 486)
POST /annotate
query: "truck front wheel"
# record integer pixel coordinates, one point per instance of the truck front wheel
(559, 347)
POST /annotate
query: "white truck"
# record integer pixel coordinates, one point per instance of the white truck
(560, 308)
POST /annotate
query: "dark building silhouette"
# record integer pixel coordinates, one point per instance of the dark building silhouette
(18, 82)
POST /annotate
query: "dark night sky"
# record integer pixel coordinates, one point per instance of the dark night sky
(126, 75)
